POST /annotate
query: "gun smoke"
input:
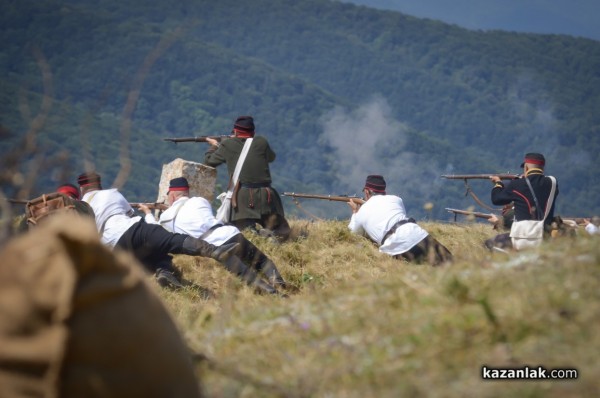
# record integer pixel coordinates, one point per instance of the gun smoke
(359, 138)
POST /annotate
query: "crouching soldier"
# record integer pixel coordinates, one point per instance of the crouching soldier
(194, 216)
(382, 218)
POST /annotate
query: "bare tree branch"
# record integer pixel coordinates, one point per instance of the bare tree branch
(38, 122)
(10, 174)
(132, 98)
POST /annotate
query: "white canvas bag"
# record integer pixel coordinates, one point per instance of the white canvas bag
(224, 211)
(529, 233)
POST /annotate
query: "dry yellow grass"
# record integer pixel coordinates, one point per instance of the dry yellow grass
(364, 325)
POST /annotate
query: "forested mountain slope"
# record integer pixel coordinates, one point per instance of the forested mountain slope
(341, 91)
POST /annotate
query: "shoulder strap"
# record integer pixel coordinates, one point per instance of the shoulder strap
(89, 202)
(551, 198)
(89, 199)
(177, 209)
(537, 205)
(240, 162)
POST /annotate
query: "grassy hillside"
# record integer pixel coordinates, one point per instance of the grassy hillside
(361, 324)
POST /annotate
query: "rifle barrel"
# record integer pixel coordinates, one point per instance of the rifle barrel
(202, 138)
(18, 201)
(154, 205)
(336, 198)
(469, 213)
(503, 176)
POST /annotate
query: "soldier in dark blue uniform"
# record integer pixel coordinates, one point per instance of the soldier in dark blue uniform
(518, 191)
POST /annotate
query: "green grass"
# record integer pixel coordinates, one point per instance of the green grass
(361, 324)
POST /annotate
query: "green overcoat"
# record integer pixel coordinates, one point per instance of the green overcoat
(255, 197)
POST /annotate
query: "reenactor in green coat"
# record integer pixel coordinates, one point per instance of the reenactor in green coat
(254, 200)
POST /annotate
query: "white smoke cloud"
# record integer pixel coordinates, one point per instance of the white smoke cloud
(369, 140)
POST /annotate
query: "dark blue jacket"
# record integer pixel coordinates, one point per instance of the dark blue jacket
(518, 191)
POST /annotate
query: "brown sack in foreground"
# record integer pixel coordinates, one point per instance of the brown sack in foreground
(77, 320)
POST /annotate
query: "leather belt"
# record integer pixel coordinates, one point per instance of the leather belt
(396, 226)
(255, 184)
(210, 230)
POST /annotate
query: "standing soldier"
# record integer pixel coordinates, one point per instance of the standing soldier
(254, 200)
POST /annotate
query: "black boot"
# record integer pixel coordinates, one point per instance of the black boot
(270, 271)
(167, 279)
(198, 247)
(263, 287)
(234, 265)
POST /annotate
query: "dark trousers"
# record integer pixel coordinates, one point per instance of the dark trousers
(429, 250)
(151, 245)
(501, 241)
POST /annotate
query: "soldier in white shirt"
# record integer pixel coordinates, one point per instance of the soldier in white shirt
(193, 216)
(592, 226)
(382, 218)
(149, 243)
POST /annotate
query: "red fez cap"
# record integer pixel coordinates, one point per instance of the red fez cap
(69, 190)
(179, 184)
(375, 183)
(534, 158)
(88, 178)
(244, 126)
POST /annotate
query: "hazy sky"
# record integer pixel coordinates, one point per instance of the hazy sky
(572, 17)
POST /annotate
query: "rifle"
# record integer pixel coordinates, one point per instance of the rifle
(577, 220)
(18, 201)
(153, 206)
(466, 177)
(339, 198)
(503, 176)
(468, 213)
(201, 138)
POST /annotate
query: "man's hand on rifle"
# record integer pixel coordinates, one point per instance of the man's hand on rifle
(353, 205)
(143, 208)
(493, 219)
(212, 142)
(495, 179)
(496, 221)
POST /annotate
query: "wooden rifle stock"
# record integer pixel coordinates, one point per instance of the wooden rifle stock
(201, 138)
(153, 206)
(338, 198)
(503, 176)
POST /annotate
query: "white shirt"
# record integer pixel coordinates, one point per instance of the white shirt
(378, 215)
(194, 217)
(592, 229)
(113, 214)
